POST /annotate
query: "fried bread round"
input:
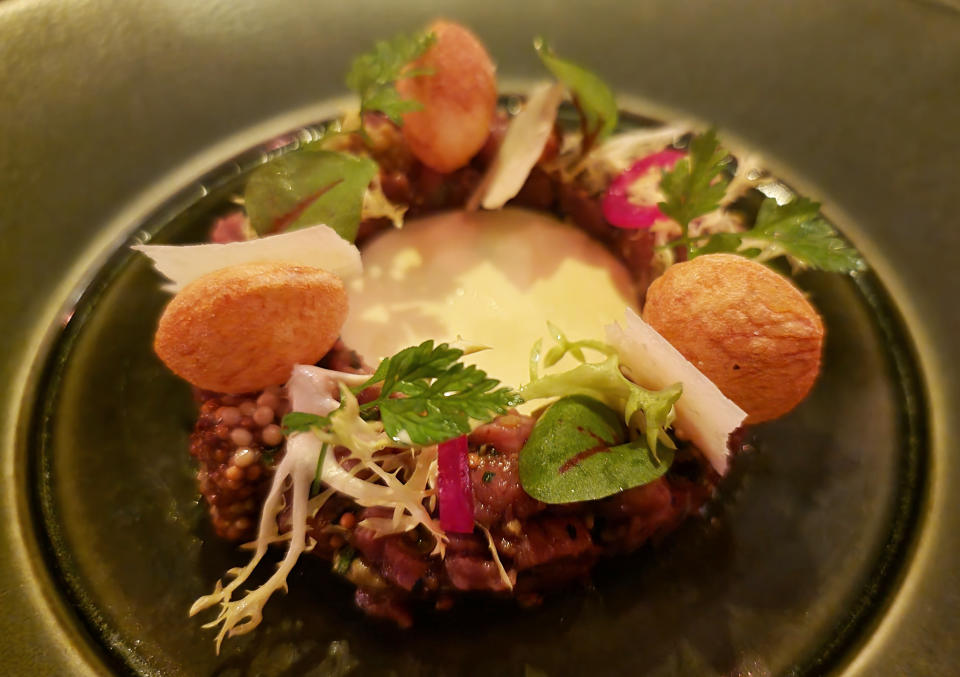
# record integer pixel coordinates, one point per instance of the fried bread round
(243, 328)
(748, 329)
(458, 93)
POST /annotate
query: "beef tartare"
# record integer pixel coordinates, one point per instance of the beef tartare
(383, 397)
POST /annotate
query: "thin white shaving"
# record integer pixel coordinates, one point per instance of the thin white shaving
(504, 576)
(317, 246)
(522, 146)
(704, 414)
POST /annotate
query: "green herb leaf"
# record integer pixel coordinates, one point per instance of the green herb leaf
(343, 559)
(373, 75)
(591, 95)
(308, 187)
(299, 422)
(439, 394)
(696, 184)
(604, 381)
(795, 229)
(578, 451)
(719, 243)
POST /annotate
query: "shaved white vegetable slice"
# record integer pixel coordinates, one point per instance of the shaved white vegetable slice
(704, 414)
(522, 146)
(313, 390)
(317, 246)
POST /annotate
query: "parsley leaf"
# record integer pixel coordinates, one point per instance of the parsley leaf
(696, 184)
(795, 229)
(438, 394)
(308, 187)
(373, 74)
(591, 95)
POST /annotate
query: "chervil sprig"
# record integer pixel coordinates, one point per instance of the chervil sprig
(373, 74)
(427, 395)
(696, 184)
(795, 229)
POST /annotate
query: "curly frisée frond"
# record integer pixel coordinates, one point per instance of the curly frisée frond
(239, 616)
(400, 479)
(380, 476)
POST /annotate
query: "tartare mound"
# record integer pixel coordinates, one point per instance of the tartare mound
(243, 328)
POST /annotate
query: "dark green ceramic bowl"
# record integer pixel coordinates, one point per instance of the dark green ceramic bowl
(831, 546)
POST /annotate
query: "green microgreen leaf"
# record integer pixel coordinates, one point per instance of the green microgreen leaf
(579, 450)
(299, 422)
(373, 75)
(696, 184)
(308, 187)
(427, 395)
(649, 411)
(592, 96)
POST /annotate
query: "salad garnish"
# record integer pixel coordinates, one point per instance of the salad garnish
(308, 187)
(580, 450)
(373, 75)
(426, 396)
(648, 411)
(697, 185)
(795, 230)
(592, 97)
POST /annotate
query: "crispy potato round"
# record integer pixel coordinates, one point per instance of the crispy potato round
(748, 329)
(243, 328)
(459, 98)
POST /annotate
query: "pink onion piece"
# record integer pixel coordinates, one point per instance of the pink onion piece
(617, 207)
(454, 487)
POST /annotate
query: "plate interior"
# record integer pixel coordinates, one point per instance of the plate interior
(782, 574)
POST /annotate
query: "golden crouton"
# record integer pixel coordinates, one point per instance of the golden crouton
(748, 329)
(243, 328)
(458, 93)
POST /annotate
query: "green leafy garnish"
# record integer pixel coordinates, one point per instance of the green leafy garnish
(592, 97)
(308, 187)
(300, 421)
(427, 395)
(649, 411)
(579, 450)
(795, 229)
(343, 559)
(373, 75)
(696, 184)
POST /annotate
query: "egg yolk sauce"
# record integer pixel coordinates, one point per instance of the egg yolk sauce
(492, 279)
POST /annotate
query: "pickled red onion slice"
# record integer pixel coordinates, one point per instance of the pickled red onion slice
(454, 487)
(617, 207)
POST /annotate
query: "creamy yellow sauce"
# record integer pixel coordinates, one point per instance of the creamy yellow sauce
(488, 278)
